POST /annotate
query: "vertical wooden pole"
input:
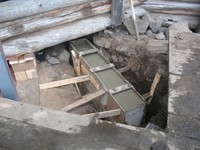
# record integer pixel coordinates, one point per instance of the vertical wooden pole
(134, 19)
(117, 12)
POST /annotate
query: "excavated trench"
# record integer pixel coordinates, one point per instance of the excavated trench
(143, 67)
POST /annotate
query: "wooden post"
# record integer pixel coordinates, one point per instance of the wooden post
(117, 12)
(7, 86)
(84, 100)
(134, 19)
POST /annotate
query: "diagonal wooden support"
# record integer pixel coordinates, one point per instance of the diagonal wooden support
(104, 114)
(65, 82)
(84, 100)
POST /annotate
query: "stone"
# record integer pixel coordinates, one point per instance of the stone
(114, 58)
(160, 145)
(124, 50)
(149, 33)
(108, 33)
(154, 23)
(142, 25)
(102, 41)
(163, 29)
(54, 53)
(180, 26)
(121, 59)
(160, 36)
(53, 61)
(48, 57)
(64, 56)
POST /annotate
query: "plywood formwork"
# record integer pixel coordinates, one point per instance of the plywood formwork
(120, 93)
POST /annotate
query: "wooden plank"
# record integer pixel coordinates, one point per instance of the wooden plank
(45, 38)
(53, 18)
(104, 114)
(155, 83)
(83, 101)
(117, 12)
(64, 82)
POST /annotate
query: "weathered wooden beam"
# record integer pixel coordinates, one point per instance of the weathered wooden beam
(13, 9)
(53, 18)
(104, 114)
(117, 14)
(155, 83)
(64, 82)
(83, 101)
(172, 7)
(39, 40)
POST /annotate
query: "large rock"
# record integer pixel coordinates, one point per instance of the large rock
(64, 56)
(180, 26)
(102, 41)
(154, 23)
(142, 25)
(53, 61)
(160, 36)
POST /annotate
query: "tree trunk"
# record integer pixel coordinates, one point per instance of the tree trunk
(53, 18)
(42, 39)
(15, 9)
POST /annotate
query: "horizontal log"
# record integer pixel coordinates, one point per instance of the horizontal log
(15, 9)
(104, 114)
(64, 82)
(53, 18)
(170, 7)
(84, 100)
(42, 39)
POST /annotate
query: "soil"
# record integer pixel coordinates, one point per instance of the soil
(57, 98)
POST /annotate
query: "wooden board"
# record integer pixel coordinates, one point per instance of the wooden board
(83, 101)
(104, 114)
(64, 82)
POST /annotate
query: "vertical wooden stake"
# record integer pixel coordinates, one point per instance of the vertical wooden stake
(134, 19)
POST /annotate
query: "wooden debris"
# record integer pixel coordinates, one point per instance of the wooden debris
(64, 82)
(155, 83)
(146, 96)
(104, 114)
(84, 100)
